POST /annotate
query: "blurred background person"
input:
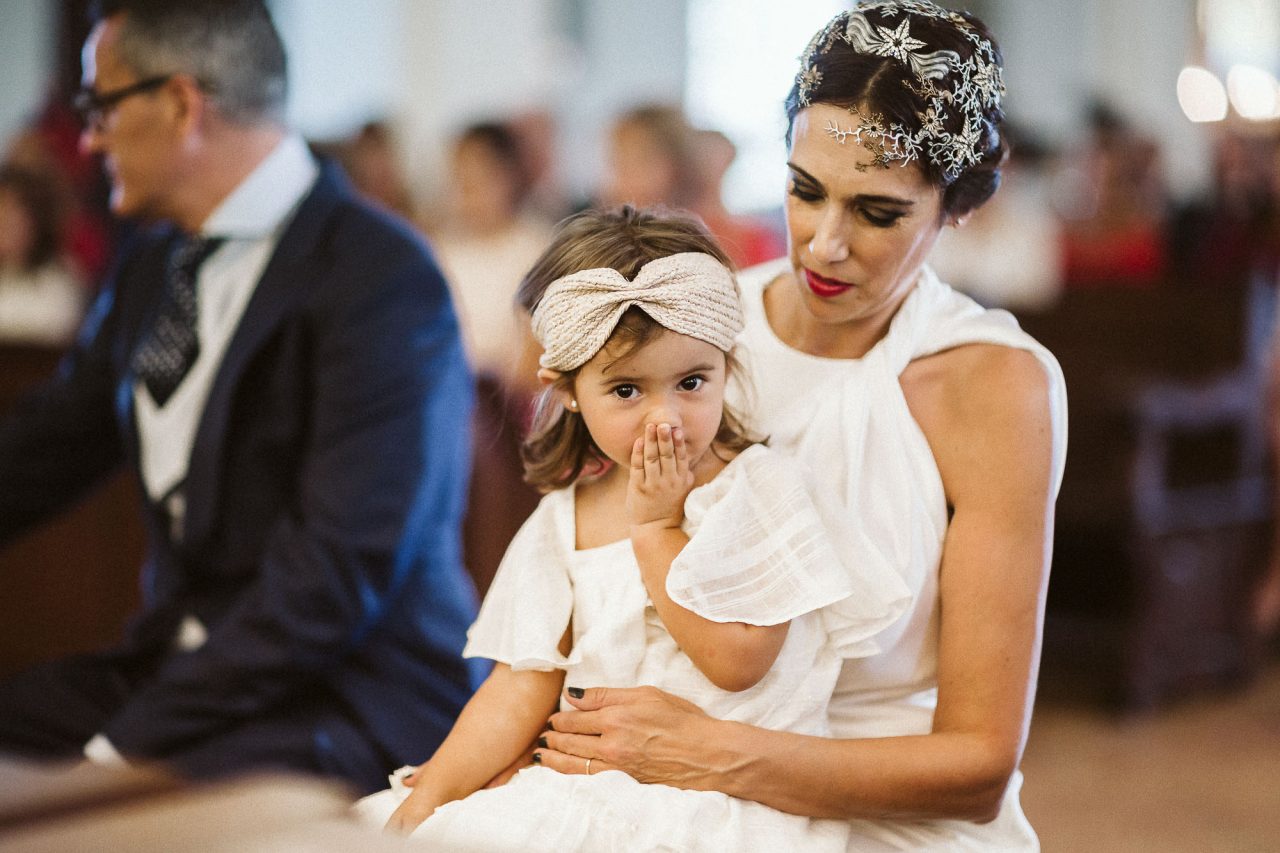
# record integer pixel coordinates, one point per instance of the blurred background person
(537, 132)
(747, 240)
(42, 294)
(50, 147)
(656, 157)
(1266, 602)
(1265, 610)
(487, 238)
(1114, 206)
(372, 162)
(650, 159)
(1223, 235)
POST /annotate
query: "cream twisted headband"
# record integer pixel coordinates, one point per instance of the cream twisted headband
(691, 293)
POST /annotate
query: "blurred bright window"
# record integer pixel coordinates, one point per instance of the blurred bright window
(1242, 32)
(1242, 39)
(742, 59)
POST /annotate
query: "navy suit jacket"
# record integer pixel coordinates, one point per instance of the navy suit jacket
(324, 496)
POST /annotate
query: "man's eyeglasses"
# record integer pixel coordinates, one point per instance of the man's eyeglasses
(94, 106)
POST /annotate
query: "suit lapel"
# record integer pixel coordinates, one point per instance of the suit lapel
(294, 266)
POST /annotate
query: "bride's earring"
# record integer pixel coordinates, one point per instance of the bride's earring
(573, 405)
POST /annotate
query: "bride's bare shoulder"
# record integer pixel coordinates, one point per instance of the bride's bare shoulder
(981, 406)
(975, 374)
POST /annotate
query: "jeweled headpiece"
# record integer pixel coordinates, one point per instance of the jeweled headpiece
(952, 87)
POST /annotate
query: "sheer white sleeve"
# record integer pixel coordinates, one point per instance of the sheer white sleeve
(765, 547)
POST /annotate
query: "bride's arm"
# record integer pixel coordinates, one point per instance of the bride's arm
(985, 411)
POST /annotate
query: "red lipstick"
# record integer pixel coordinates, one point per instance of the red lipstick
(823, 286)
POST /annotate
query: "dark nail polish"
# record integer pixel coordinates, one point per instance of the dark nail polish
(537, 758)
(548, 727)
(542, 742)
(575, 692)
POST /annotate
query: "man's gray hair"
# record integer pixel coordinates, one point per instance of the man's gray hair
(231, 48)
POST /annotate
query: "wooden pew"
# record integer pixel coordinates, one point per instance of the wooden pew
(1164, 518)
(70, 585)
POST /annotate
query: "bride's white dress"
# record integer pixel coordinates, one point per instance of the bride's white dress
(848, 421)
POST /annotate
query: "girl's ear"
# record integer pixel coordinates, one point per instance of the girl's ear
(562, 390)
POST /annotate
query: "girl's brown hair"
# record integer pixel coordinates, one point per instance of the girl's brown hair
(559, 448)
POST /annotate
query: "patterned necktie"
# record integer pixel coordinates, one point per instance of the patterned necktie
(168, 352)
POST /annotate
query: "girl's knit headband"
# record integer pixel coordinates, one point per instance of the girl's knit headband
(691, 293)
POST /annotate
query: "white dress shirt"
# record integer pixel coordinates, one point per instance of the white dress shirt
(251, 221)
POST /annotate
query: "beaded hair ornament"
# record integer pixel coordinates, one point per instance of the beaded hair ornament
(951, 87)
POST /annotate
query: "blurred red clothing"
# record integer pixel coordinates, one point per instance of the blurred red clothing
(1130, 256)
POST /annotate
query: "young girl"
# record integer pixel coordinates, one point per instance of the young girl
(670, 550)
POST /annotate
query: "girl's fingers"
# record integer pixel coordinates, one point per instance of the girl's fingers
(681, 452)
(666, 449)
(652, 465)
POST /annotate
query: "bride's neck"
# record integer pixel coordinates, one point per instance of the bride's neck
(800, 330)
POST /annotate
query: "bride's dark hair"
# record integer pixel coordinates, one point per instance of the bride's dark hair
(883, 85)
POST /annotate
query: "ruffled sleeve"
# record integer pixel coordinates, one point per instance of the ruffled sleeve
(527, 609)
(766, 546)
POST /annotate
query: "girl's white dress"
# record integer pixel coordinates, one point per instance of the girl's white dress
(848, 420)
(765, 547)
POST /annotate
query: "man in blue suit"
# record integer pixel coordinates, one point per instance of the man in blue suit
(281, 365)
